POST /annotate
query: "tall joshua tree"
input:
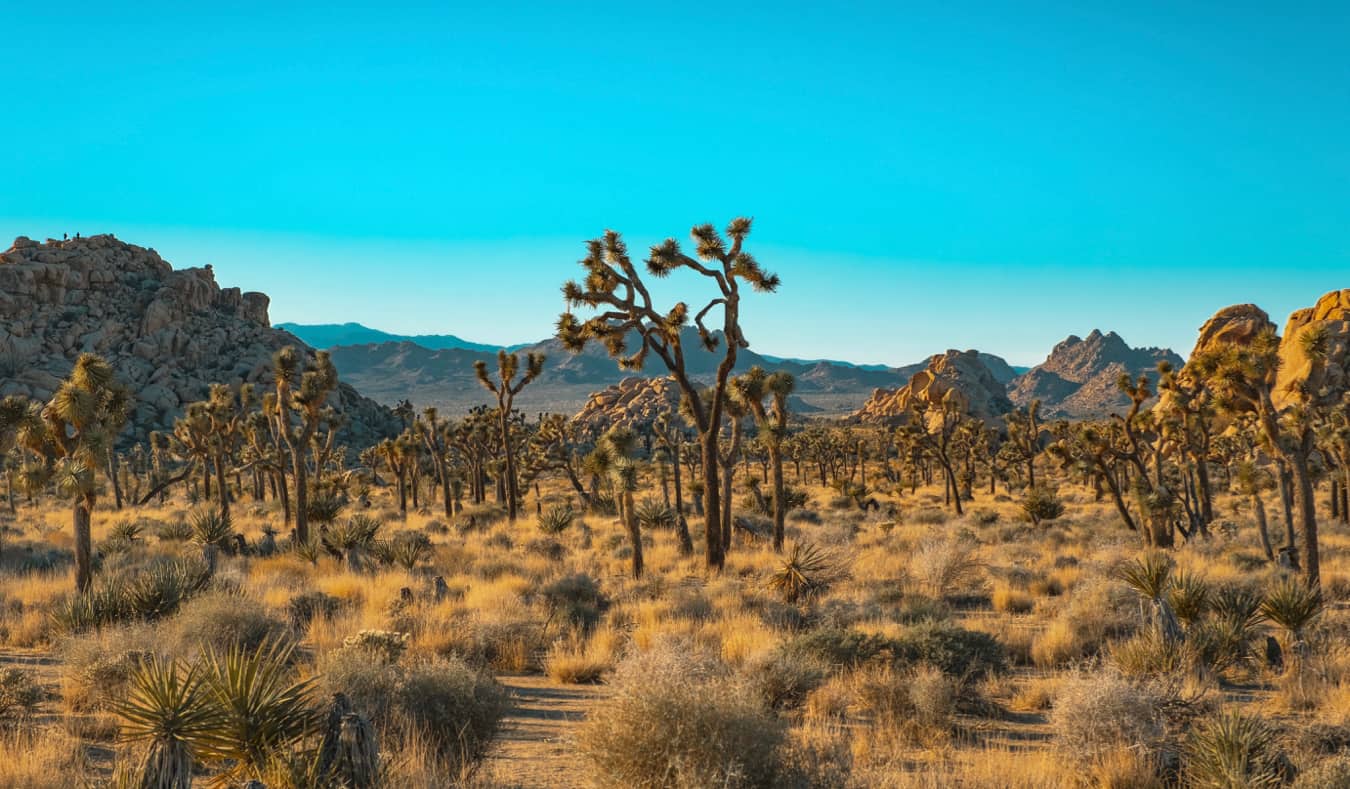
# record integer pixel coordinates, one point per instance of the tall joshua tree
(614, 287)
(505, 387)
(1242, 378)
(752, 389)
(77, 426)
(301, 392)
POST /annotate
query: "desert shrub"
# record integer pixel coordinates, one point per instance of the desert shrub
(95, 667)
(1230, 750)
(385, 645)
(575, 599)
(927, 516)
(220, 622)
(1042, 503)
(1096, 714)
(654, 514)
(20, 694)
(443, 703)
(1332, 773)
(355, 533)
(680, 720)
(546, 547)
(954, 650)
(1189, 596)
(456, 708)
(324, 508)
(407, 549)
(573, 661)
(305, 607)
(1149, 654)
(164, 585)
(838, 647)
(1011, 599)
(945, 567)
(918, 702)
(783, 678)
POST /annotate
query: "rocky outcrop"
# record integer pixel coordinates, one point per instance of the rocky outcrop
(961, 372)
(1235, 325)
(169, 333)
(1078, 380)
(1330, 314)
(633, 402)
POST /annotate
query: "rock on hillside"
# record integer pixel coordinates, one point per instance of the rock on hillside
(1331, 313)
(1078, 380)
(168, 333)
(964, 371)
(633, 402)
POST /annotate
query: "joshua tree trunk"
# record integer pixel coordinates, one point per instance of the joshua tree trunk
(779, 495)
(634, 533)
(1307, 512)
(223, 489)
(712, 505)
(301, 497)
(512, 494)
(285, 494)
(112, 475)
(1260, 509)
(681, 525)
(1287, 499)
(84, 506)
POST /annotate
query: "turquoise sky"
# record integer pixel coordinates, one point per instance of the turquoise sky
(923, 176)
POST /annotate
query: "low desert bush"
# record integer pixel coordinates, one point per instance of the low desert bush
(219, 621)
(1096, 714)
(680, 720)
(20, 694)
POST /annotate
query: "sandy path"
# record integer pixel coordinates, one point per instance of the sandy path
(534, 747)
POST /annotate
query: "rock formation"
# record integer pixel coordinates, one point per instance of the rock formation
(1331, 313)
(963, 371)
(1078, 380)
(633, 402)
(168, 333)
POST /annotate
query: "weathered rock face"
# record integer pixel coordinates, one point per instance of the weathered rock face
(1235, 325)
(1078, 380)
(168, 333)
(961, 372)
(633, 402)
(1331, 313)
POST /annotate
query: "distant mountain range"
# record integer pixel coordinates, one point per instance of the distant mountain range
(1077, 379)
(330, 335)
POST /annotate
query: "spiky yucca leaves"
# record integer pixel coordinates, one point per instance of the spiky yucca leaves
(407, 549)
(807, 572)
(126, 531)
(1189, 595)
(357, 532)
(1229, 637)
(1294, 607)
(654, 514)
(264, 709)
(1233, 750)
(170, 710)
(1151, 576)
(556, 519)
(211, 527)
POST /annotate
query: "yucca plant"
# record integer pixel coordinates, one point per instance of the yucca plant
(654, 514)
(1189, 595)
(162, 587)
(357, 532)
(806, 572)
(1293, 606)
(1151, 576)
(211, 528)
(325, 508)
(309, 550)
(1231, 751)
(556, 519)
(126, 531)
(264, 709)
(407, 549)
(169, 710)
(1228, 638)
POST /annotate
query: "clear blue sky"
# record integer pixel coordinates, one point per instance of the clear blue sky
(923, 176)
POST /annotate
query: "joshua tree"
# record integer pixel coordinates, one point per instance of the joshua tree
(77, 425)
(302, 392)
(506, 389)
(432, 430)
(1249, 480)
(934, 430)
(14, 412)
(613, 457)
(614, 286)
(1242, 378)
(1024, 437)
(752, 389)
(672, 437)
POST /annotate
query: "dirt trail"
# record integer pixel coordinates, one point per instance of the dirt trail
(534, 747)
